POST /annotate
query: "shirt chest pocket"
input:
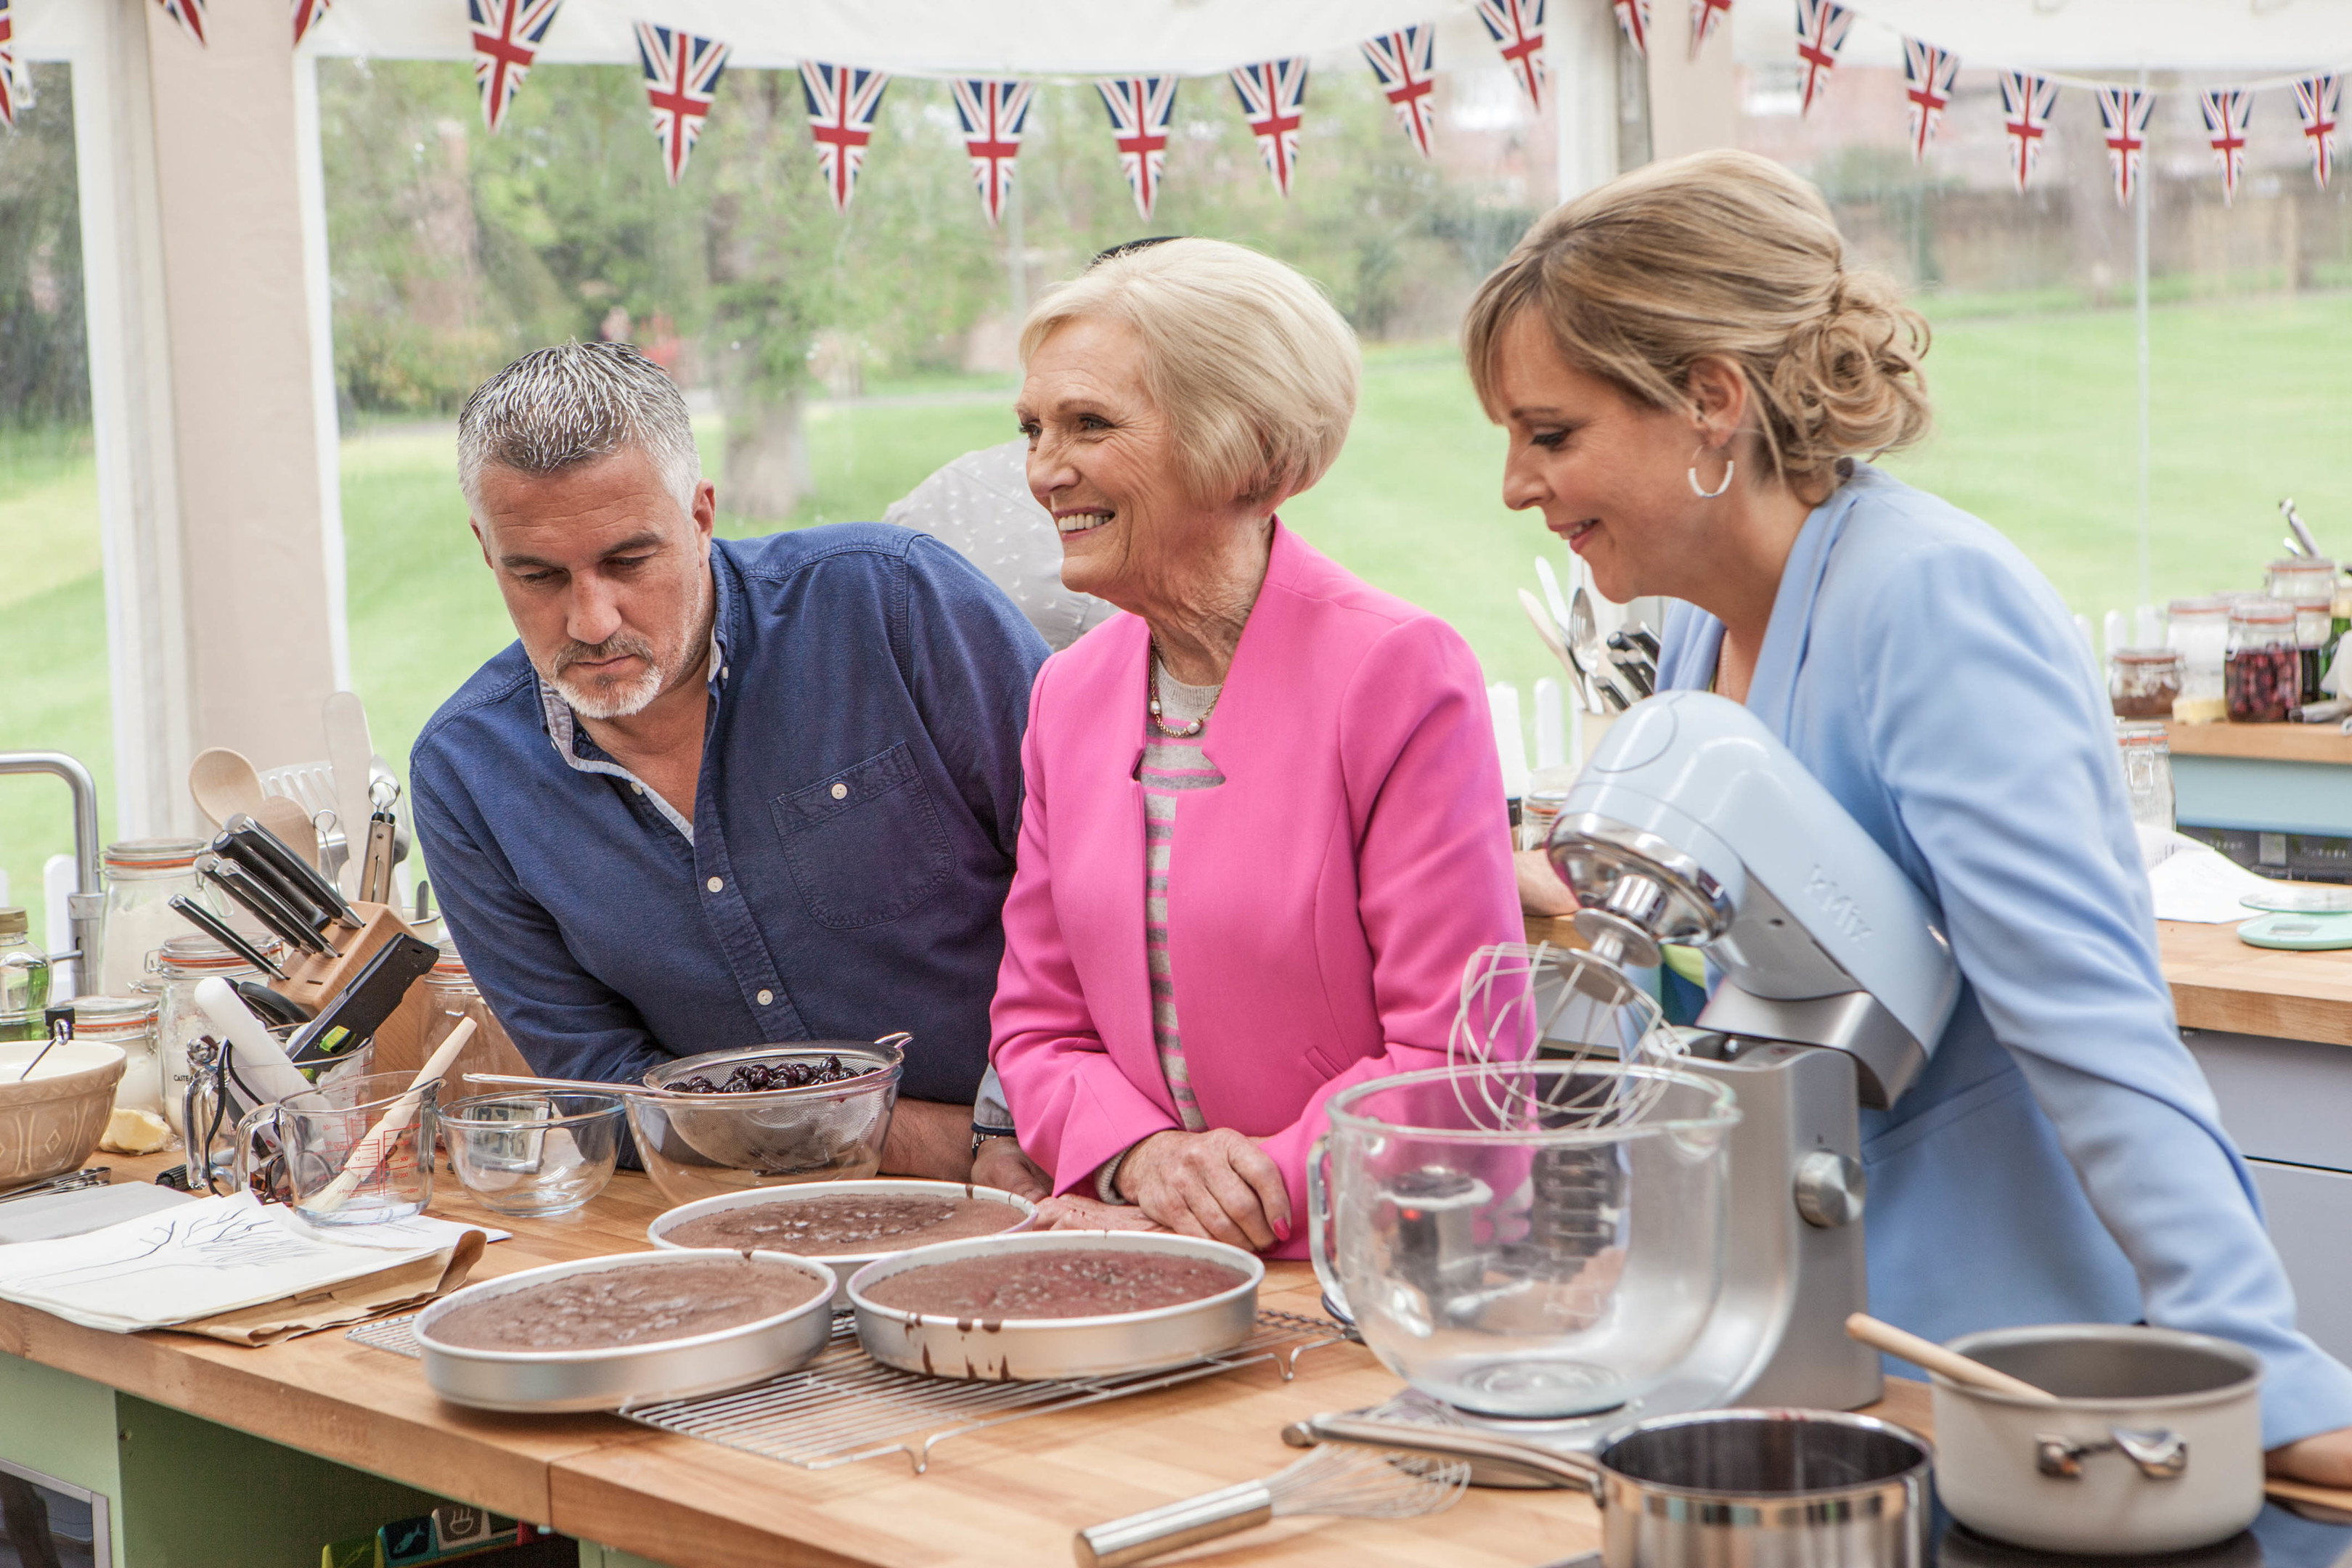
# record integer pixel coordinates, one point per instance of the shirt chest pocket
(865, 846)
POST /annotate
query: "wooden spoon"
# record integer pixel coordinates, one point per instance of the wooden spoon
(288, 821)
(224, 784)
(1974, 1374)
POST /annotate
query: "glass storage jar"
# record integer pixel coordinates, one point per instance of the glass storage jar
(453, 996)
(2143, 682)
(2265, 678)
(128, 1021)
(2148, 771)
(24, 979)
(180, 965)
(2199, 630)
(142, 877)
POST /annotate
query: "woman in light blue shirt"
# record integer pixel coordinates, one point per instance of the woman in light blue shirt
(1688, 375)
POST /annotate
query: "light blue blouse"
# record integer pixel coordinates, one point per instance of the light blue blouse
(2061, 1159)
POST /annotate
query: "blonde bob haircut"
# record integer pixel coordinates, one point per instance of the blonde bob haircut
(1724, 256)
(1256, 371)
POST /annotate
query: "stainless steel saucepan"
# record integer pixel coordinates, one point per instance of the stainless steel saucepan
(1762, 1489)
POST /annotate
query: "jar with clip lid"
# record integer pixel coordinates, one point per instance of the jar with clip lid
(129, 1024)
(2265, 678)
(177, 968)
(142, 877)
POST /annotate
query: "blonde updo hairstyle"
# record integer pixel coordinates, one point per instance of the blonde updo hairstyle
(1723, 256)
(1254, 370)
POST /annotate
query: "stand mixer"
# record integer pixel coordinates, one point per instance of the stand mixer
(1693, 825)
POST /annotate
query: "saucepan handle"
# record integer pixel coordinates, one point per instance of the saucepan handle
(2161, 1454)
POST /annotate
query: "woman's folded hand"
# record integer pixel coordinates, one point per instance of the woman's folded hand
(1073, 1212)
(1217, 1185)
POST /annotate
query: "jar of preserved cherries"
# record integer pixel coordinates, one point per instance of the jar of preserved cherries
(2143, 682)
(2265, 678)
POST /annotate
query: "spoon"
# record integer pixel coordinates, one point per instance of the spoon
(224, 784)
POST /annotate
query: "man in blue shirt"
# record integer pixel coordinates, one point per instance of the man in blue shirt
(720, 793)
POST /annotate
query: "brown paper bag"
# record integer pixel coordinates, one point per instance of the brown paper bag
(407, 1284)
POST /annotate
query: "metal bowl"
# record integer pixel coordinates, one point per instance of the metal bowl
(1014, 1349)
(843, 1264)
(701, 1146)
(548, 1380)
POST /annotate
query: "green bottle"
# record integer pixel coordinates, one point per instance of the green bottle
(24, 979)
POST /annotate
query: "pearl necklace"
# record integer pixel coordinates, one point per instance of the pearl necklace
(1177, 731)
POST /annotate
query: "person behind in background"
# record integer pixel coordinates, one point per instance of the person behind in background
(1265, 824)
(1690, 376)
(979, 504)
(719, 792)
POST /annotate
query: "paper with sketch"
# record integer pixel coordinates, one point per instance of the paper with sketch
(2197, 882)
(200, 1259)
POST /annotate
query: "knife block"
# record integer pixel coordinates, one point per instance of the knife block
(317, 979)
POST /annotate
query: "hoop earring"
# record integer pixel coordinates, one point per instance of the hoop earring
(1692, 474)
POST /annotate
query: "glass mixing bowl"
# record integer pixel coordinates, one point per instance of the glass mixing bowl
(531, 1152)
(1531, 1240)
(701, 1146)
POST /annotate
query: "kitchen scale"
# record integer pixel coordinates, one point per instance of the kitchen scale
(1693, 825)
(2299, 919)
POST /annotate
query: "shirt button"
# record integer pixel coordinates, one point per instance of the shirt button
(841, 792)
(766, 997)
(714, 884)
(724, 672)
(638, 788)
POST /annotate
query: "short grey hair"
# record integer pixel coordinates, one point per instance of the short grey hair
(573, 403)
(1255, 370)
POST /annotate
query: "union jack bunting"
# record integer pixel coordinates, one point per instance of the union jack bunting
(1517, 26)
(8, 66)
(1706, 16)
(507, 36)
(1928, 74)
(1139, 107)
(2225, 129)
(189, 13)
(993, 114)
(1634, 15)
(1401, 61)
(1271, 95)
(2124, 112)
(1822, 28)
(307, 13)
(681, 80)
(2318, 102)
(841, 100)
(2026, 102)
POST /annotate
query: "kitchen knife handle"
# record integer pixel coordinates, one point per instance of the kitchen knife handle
(241, 847)
(230, 878)
(299, 871)
(221, 931)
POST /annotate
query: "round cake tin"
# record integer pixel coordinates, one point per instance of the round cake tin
(842, 1264)
(548, 1380)
(1014, 1349)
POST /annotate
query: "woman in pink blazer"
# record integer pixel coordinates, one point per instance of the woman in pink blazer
(1264, 825)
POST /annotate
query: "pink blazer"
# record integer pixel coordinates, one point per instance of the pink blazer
(1322, 902)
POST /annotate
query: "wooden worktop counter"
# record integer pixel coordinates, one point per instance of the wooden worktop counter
(2221, 983)
(1013, 1494)
(2261, 742)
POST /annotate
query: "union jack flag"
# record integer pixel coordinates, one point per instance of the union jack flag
(2124, 112)
(2318, 101)
(1138, 108)
(841, 100)
(507, 36)
(7, 67)
(306, 14)
(1401, 61)
(1634, 15)
(2225, 129)
(1271, 95)
(1517, 26)
(1822, 28)
(2026, 102)
(189, 13)
(1705, 17)
(1929, 71)
(681, 80)
(993, 113)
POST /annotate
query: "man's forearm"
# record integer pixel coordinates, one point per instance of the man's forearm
(929, 1139)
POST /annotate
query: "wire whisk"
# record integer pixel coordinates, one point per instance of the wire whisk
(1332, 1482)
(1520, 1003)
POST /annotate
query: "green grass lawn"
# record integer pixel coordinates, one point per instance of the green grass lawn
(2035, 433)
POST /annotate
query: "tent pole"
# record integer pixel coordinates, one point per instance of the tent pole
(2139, 228)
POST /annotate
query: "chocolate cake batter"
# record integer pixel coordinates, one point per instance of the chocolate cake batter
(1075, 1283)
(639, 1305)
(843, 1223)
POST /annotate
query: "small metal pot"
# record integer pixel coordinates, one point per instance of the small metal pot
(1762, 1489)
(2154, 1445)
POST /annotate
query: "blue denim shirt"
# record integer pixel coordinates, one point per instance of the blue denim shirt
(852, 838)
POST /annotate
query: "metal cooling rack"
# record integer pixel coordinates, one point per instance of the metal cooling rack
(844, 1406)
